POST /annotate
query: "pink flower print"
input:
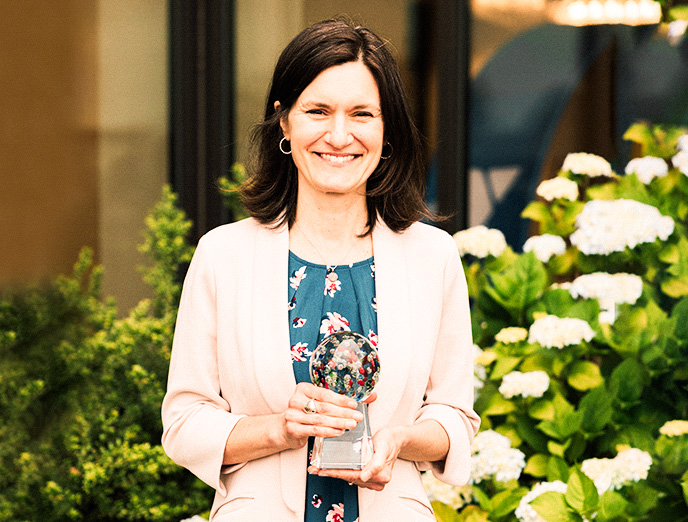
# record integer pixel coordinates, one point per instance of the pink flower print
(372, 270)
(300, 351)
(296, 278)
(333, 323)
(332, 286)
(317, 500)
(336, 514)
(373, 303)
(372, 337)
(292, 303)
(298, 322)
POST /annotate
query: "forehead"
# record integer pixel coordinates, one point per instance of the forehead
(351, 82)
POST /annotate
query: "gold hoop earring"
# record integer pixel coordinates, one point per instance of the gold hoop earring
(391, 150)
(287, 152)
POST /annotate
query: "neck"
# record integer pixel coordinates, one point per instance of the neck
(337, 218)
(329, 232)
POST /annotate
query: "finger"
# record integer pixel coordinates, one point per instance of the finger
(330, 397)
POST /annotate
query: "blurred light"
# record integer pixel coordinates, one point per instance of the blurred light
(597, 12)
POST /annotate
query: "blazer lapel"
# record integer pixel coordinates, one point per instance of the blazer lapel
(270, 318)
(394, 318)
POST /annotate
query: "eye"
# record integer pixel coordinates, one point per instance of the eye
(364, 114)
(316, 112)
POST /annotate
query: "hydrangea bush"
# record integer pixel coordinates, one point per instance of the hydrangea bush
(582, 357)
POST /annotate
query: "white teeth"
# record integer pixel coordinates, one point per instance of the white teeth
(337, 159)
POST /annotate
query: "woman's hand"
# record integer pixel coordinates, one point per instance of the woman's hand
(333, 414)
(387, 444)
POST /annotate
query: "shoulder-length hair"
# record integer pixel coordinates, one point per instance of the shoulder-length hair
(395, 190)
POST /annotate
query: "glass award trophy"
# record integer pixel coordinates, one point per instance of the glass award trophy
(346, 363)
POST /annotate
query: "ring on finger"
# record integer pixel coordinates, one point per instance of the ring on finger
(310, 406)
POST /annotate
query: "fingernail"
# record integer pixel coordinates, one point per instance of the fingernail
(365, 476)
(358, 416)
(350, 424)
(353, 404)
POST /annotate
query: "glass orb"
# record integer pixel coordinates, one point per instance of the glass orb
(346, 363)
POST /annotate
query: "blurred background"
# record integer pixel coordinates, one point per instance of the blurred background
(105, 101)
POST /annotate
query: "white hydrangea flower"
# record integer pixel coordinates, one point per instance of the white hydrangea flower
(606, 226)
(525, 511)
(511, 335)
(480, 241)
(619, 288)
(630, 465)
(558, 188)
(479, 371)
(683, 140)
(647, 168)
(674, 428)
(454, 496)
(587, 164)
(545, 246)
(528, 384)
(561, 286)
(493, 457)
(680, 161)
(195, 518)
(677, 30)
(551, 331)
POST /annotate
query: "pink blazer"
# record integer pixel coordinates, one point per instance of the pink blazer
(231, 358)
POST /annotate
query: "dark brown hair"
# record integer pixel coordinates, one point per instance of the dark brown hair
(396, 187)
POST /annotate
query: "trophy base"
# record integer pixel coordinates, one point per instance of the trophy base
(351, 450)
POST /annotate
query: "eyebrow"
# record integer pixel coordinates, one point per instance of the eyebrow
(323, 105)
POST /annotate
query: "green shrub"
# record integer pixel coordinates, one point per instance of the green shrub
(81, 390)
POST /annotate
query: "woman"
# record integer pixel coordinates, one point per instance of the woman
(334, 244)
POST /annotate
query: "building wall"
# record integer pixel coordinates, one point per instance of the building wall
(48, 137)
(83, 136)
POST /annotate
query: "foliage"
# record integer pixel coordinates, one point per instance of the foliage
(608, 394)
(229, 189)
(81, 390)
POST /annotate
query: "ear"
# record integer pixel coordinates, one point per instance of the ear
(284, 121)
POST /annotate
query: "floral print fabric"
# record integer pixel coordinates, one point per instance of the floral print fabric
(319, 306)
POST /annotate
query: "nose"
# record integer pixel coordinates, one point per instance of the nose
(339, 134)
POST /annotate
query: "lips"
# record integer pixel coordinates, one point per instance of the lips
(337, 158)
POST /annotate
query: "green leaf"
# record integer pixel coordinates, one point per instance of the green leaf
(473, 513)
(537, 465)
(498, 405)
(504, 503)
(680, 312)
(597, 408)
(566, 420)
(519, 285)
(504, 365)
(581, 493)
(557, 449)
(551, 506)
(541, 409)
(679, 12)
(677, 284)
(557, 469)
(612, 505)
(444, 513)
(584, 375)
(530, 434)
(627, 381)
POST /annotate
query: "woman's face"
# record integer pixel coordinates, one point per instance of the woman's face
(335, 130)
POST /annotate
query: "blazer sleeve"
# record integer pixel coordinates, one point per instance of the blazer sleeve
(449, 394)
(197, 419)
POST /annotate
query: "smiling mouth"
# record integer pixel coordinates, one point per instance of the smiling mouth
(336, 158)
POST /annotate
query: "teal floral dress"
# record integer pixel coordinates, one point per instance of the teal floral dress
(318, 306)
